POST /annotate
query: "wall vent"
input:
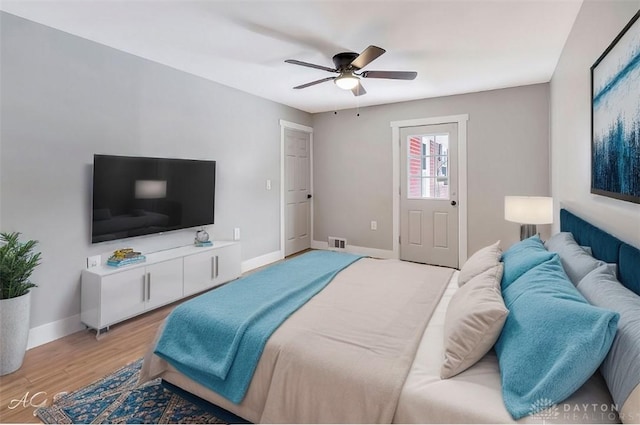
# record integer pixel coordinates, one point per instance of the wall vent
(337, 243)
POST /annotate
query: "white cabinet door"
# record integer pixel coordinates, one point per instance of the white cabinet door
(199, 271)
(123, 295)
(211, 268)
(227, 264)
(164, 283)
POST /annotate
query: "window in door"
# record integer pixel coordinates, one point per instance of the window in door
(428, 160)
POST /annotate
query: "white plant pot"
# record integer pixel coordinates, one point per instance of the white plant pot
(14, 332)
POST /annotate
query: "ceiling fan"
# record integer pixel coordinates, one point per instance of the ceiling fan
(348, 64)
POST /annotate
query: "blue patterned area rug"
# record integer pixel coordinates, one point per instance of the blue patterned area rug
(118, 399)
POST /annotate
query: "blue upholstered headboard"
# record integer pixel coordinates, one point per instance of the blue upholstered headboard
(606, 248)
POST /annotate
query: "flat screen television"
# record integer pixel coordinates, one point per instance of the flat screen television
(135, 196)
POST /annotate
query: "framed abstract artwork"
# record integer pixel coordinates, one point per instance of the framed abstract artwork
(615, 117)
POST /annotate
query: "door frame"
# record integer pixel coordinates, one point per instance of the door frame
(294, 126)
(461, 120)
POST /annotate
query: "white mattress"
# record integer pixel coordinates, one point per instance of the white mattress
(474, 396)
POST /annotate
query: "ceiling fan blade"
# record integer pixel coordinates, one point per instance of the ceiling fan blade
(310, 65)
(313, 83)
(358, 90)
(393, 75)
(367, 56)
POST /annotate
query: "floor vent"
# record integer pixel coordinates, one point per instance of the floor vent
(337, 243)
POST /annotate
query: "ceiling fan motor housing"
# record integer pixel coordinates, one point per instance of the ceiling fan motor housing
(342, 61)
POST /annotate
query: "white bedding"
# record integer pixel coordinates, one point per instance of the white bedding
(473, 396)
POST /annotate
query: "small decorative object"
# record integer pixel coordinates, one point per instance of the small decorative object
(202, 238)
(17, 263)
(125, 256)
(615, 117)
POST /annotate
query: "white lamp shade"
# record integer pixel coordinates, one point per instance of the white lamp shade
(528, 209)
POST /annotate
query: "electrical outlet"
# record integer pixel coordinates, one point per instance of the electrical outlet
(236, 234)
(374, 225)
(268, 184)
(93, 261)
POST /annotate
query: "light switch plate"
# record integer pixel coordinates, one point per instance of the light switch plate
(236, 234)
(93, 261)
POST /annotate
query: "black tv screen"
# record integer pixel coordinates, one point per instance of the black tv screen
(134, 196)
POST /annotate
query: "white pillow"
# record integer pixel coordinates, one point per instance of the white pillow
(473, 322)
(479, 262)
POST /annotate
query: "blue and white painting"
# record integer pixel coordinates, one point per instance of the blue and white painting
(615, 147)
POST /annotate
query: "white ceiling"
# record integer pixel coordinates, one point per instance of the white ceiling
(455, 46)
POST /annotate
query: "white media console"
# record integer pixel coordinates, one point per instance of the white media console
(110, 295)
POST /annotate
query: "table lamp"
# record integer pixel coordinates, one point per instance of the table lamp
(529, 211)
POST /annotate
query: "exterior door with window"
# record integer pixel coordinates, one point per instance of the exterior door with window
(297, 191)
(428, 194)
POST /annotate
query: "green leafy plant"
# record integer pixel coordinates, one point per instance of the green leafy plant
(17, 263)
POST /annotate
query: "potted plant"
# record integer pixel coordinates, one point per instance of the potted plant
(17, 263)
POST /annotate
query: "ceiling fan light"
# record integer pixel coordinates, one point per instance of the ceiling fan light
(346, 81)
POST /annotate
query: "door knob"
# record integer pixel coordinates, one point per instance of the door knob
(308, 196)
(454, 203)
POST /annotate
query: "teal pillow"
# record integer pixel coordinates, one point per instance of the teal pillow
(552, 341)
(522, 257)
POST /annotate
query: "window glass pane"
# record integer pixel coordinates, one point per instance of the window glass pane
(436, 187)
(415, 168)
(427, 166)
(415, 187)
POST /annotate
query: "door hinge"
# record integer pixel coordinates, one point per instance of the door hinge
(399, 239)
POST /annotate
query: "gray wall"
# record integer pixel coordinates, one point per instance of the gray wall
(597, 24)
(65, 98)
(508, 154)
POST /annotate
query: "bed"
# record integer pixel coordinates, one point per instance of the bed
(336, 376)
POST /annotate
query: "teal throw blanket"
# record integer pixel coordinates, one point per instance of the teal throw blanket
(217, 338)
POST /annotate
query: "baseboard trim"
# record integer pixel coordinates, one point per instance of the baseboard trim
(51, 331)
(371, 252)
(260, 261)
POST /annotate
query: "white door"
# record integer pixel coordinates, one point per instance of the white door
(428, 194)
(297, 191)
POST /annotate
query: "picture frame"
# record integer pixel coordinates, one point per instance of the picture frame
(615, 117)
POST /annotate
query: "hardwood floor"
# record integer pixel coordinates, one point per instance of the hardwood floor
(72, 362)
